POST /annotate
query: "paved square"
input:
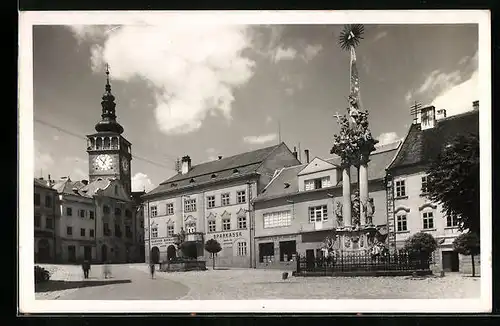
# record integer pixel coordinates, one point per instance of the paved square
(134, 282)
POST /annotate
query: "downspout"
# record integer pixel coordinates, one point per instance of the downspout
(251, 224)
(54, 226)
(149, 234)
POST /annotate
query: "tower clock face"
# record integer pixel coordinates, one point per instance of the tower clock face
(103, 162)
(125, 166)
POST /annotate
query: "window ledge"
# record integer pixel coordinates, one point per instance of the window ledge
(432, 229)
(401, 197)
(450, 227)
(403, 232)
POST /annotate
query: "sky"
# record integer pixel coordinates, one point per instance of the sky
(205, 90)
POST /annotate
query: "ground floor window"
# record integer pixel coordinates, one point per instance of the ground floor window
(266, 251)
(242, 248)
(287, 250)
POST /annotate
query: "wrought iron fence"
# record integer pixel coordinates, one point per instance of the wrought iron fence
(361, 261)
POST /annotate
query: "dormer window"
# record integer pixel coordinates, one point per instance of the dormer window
(287, 185)
(236, 171)
(317, 183)
(173, 185)
(191, 181)
(214, 176)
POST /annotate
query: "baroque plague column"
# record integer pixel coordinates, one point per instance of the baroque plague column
(354, 145)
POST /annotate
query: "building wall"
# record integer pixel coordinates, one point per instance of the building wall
(228, 239)
(414, 204)
(75, 203)
(48, 218)
(307, 235)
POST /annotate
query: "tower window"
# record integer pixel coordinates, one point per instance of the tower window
(106, 142)
(114, 143)
(98, 143)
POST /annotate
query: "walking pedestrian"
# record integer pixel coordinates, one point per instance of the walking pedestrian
(152, 270)
(86, 269)
(106, 270)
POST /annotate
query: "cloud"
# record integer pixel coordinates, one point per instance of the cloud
(141, 181)
(438, 83)
(43, 160)
(387, 138)
(311, 51)
(284, 54)
(78, 174)
(458, 99)
(380, 36)
(260, 139)
(192, 69)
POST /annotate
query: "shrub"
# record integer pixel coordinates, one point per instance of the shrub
(41, 274)
(213, 247)
(189, 249)
(468, 244)
(421, 245)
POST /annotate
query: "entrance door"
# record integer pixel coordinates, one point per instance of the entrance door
(43, 250)
(104, 253)
(450, 261)
(71, 254)
(155, 255)
(310, 258)
(87, 253)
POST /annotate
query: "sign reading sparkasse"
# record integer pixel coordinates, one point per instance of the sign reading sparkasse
(226, 239)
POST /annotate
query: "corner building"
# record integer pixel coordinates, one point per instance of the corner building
(212, 200)
(412, 211)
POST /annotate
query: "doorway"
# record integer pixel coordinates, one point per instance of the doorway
(155, 255)
(104, 253)
(171, 252)
(450, 261)
(72, 254)
(43, 250)
(87, 253)
(310, 258)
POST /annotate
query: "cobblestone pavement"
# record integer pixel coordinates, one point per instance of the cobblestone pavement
(251, 284)
(126, 283)
(267, 284)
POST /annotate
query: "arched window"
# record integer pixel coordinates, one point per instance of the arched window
(98, 143)
(106, 142)
(114, 143)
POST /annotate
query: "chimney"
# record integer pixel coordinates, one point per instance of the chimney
(85, 182)
(220, 157)
(186, 164)
(427, 117)
(475, 105)
(306, 151)
(295, 152)
(440, 114)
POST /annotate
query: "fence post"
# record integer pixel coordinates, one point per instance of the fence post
(298, 262)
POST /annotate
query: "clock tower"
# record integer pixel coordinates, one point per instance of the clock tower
(109, 152)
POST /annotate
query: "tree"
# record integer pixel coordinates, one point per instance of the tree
(467, 244)
(421, 245)
(453, 181)
(213, 247)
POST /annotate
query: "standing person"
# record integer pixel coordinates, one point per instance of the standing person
(106, 269)
(152, 269)
(86, 268)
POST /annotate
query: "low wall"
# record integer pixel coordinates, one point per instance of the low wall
(183, 266)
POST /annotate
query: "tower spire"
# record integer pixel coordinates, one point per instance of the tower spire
(108, 122)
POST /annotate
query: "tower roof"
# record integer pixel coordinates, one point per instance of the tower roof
(108, 122)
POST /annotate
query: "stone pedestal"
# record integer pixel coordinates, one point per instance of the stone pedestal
(355, 239)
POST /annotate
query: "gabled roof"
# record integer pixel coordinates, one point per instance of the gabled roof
(92, 188)
(421, 146)
(41, 184)
(66, 186)
(286, 182)
(237, 166)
